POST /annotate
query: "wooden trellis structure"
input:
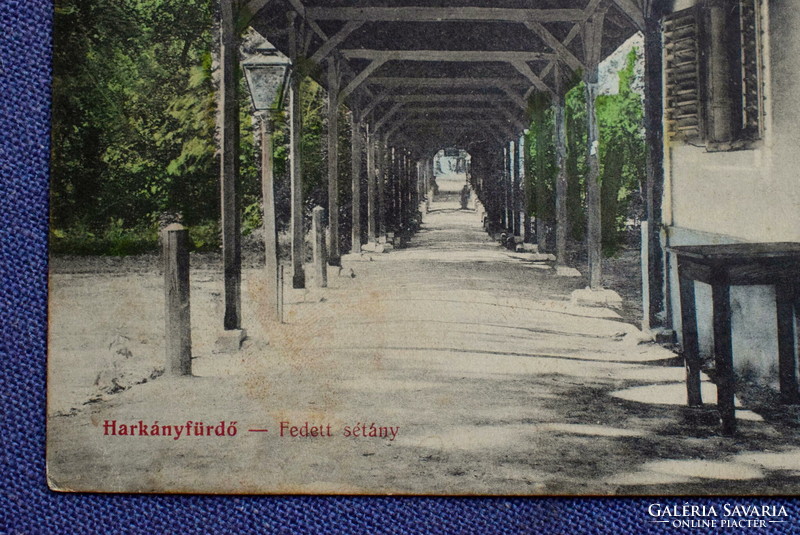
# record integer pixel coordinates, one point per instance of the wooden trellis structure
(418, 79)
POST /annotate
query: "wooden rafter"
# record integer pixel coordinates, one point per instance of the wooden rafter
(250, 9)
(388, 115)
(455, 83)
(558, 47)
(510, 117)
(439, 14)
(528, 73)
(381, 97)
(574, 32)
(298, 6)
(448, 55)
(444, 108)
(359, 79)
(633, 10)
(449, 97)
(593, 40)
(514, 96)
(335, 40)
(468, 123)
(464, 125)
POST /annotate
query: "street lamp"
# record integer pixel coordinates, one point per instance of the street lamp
(267, 75)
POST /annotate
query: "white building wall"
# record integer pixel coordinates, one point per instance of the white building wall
(744, 195)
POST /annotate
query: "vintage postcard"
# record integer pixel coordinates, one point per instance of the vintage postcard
(450, 248)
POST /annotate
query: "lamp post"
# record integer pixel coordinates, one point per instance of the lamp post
(266, 74)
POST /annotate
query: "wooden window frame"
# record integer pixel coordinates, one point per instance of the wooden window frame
(714, 75)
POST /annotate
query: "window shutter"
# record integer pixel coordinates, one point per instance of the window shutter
(752, 98)
(682, 75)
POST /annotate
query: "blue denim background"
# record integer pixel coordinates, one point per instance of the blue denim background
(27, 506)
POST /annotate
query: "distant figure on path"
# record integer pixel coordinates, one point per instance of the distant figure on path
(464, 197)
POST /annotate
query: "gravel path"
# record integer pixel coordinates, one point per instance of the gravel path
(466, 362)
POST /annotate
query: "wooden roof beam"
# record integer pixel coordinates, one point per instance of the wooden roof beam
(574, 32)
(469, 110)
(514, 96)
(443, 14)
(359, 79)
(593, 43)
(558, 47)
(381, 97)
(335, 40)
(453, 129)
(633, 10)
(449, 109)
(504, 84)
(526, 71)
(454, 83)
(388, 115)
(249, 10)
(512, 119)
(449, 97)
(298, 6)
(470, 56)
(499, 123)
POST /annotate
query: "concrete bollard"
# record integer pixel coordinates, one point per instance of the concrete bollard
(175, 241)
(320, 252)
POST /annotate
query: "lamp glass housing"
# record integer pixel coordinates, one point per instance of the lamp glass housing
(266, 76)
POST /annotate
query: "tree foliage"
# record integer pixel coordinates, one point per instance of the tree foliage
(134, 126)
(622, 158)
(132, 107)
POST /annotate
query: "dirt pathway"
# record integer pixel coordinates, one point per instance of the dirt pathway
(467, 362)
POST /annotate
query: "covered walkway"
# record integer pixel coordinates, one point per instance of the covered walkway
(469, 363)
(489, 389)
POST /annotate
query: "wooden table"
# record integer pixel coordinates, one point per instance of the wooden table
(723, 266)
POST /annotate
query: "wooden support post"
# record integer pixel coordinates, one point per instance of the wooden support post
(654, 135)
(398, 193)
(295, 166)
(691, 346)
(785, 296)
(406, 187)
(270, 231)
(723, 353)
(381, 189)
(504, 219)
(372, 179)
(525, 189)
(334, 257)
(429, 183)
(229, 167)
(594, 221)
(420, 182)
(175, 241)
(296, 172)
(320, 254)
(515, 201)
(410, 207)
(356, 183)
(391, 168)
(561, 180)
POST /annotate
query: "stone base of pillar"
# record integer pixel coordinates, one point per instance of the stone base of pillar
(659, 336)
(596, 298)
(298, 281)
(230, 341)
(566, 271)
